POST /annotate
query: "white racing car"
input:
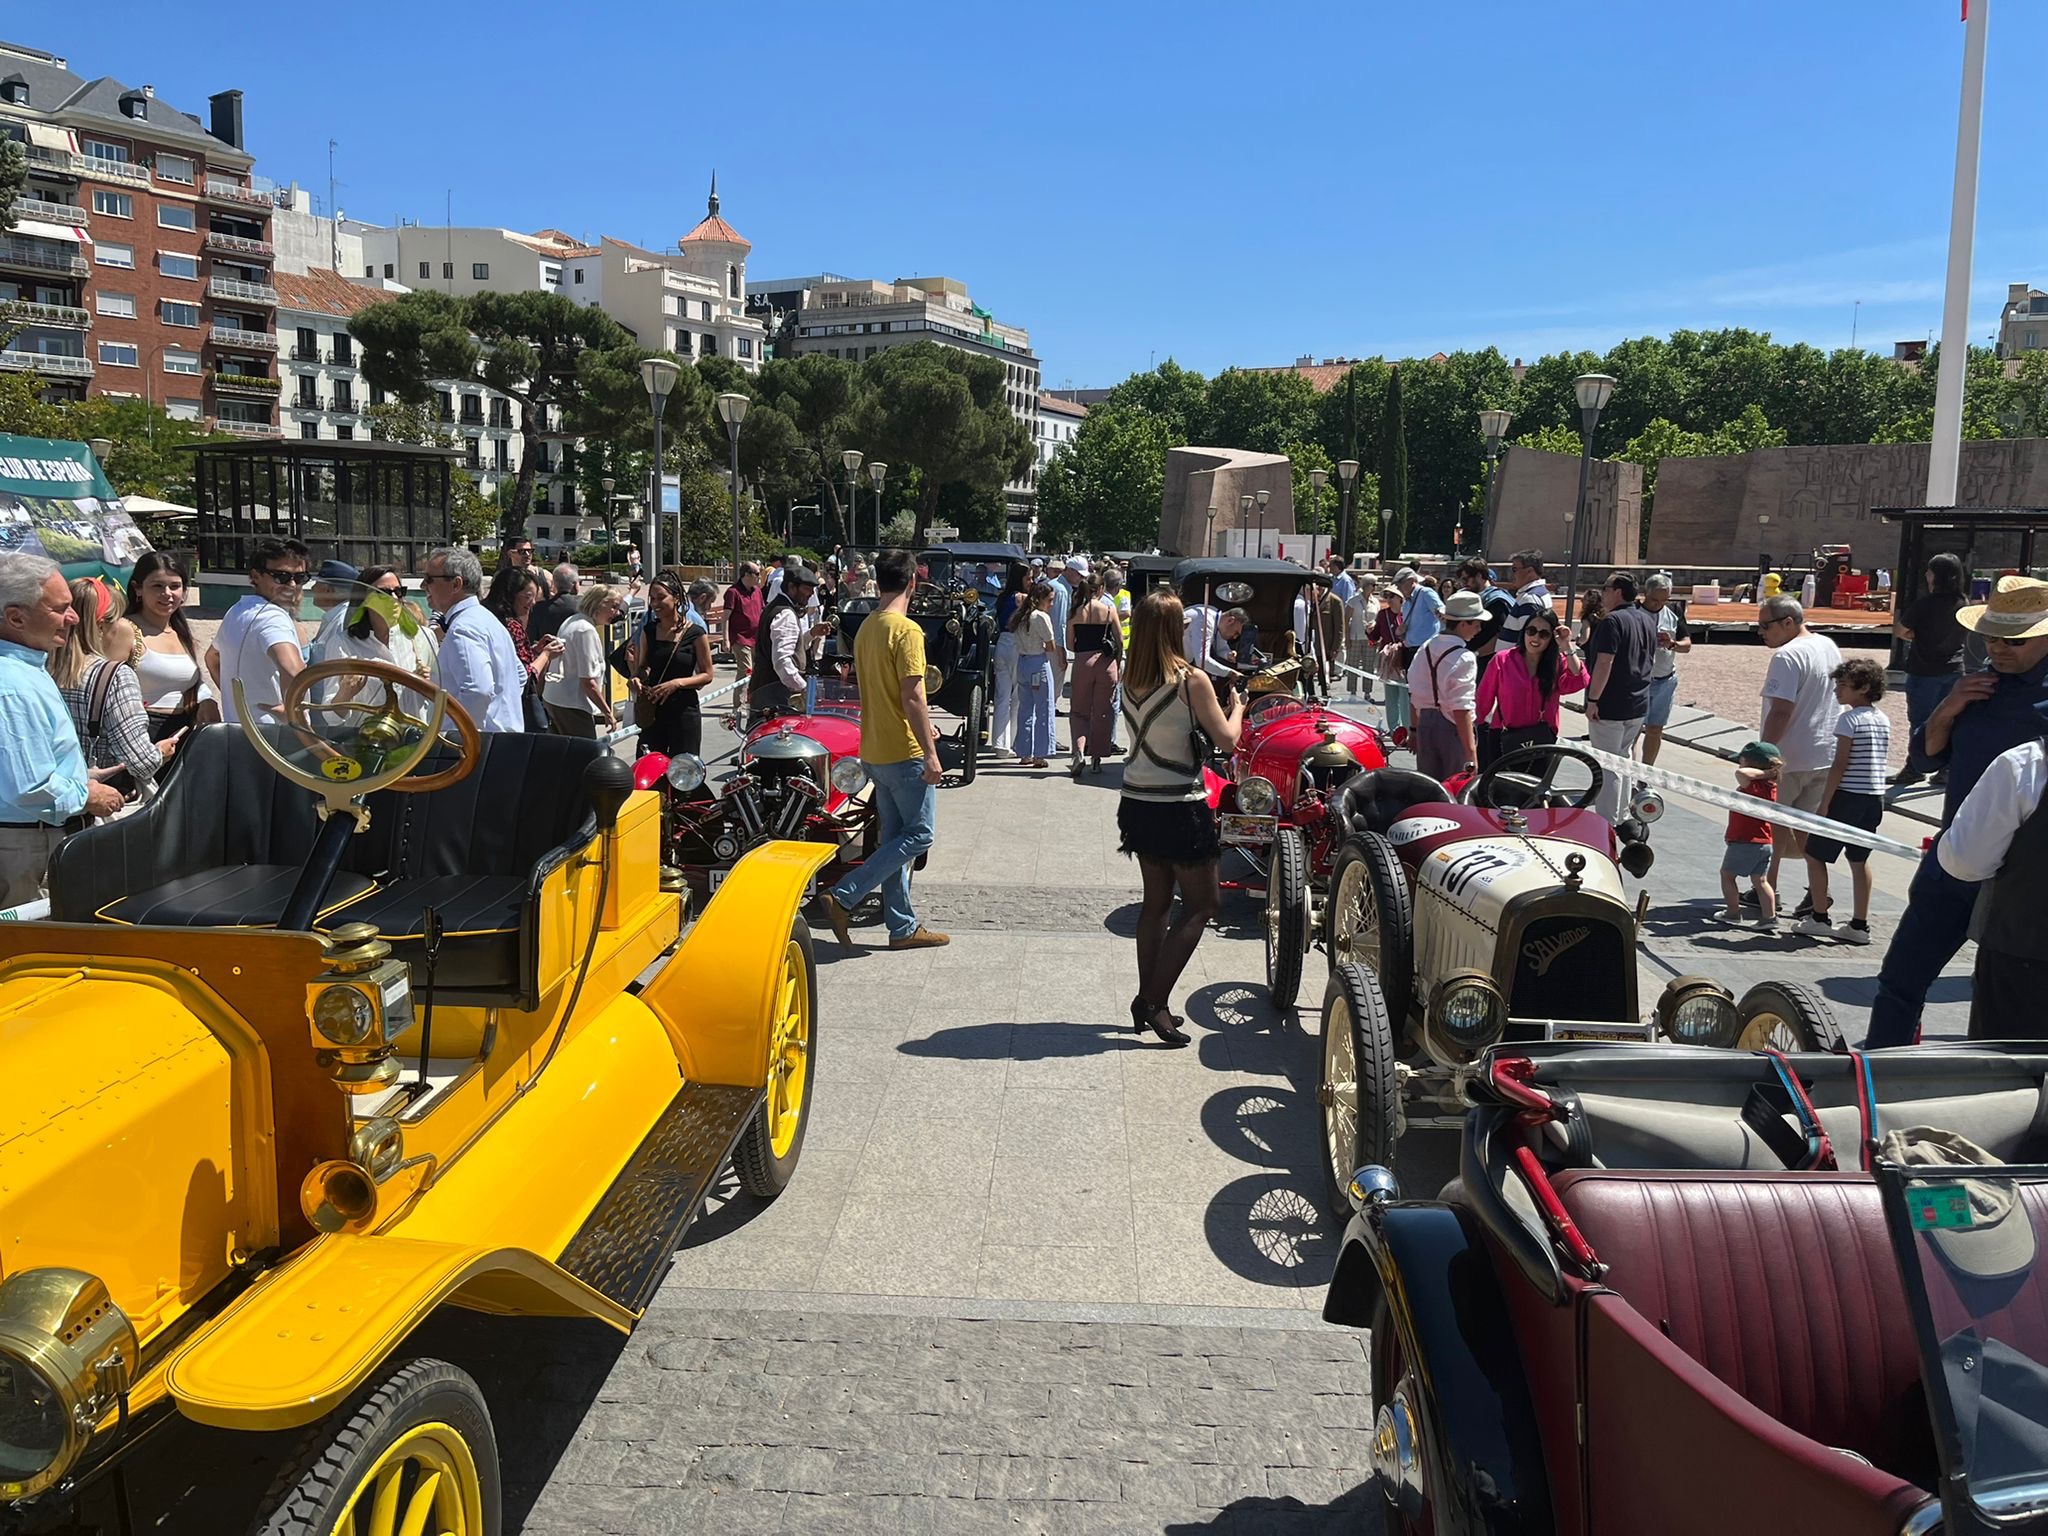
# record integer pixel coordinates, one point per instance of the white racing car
(1457, 923)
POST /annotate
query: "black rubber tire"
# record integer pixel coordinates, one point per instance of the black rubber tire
(1375, 863)
(316, 1485)
(760, 1171)
(1805, 1012)
(1286, 916)
(970, 754)
(1355, 1015)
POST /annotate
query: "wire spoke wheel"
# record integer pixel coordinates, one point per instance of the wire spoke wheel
(1359, 1094)
(1286, 916)
(1786, 1016)
(1369, 921)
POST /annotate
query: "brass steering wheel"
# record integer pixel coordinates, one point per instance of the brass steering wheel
(377, 754)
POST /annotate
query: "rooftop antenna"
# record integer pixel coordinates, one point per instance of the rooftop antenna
(333, 218)
(1854, 316)
(448, 226)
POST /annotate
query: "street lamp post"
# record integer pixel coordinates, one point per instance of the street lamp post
(1260, 551)
(610, 511)
(851, 458)
(1493, 426)
(732, 410)
(1210, 547)
(1317, 479)
(1244, 518)
(1347, 480)
(877, 473)
(659, 375)
(1593, 390)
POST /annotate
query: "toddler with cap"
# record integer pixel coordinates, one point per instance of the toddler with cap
(1748, 851)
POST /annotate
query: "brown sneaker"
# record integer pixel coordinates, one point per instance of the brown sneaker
(840, 919)
(924, 938)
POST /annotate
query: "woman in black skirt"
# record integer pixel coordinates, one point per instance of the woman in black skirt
(1164, 814)
(670, 661)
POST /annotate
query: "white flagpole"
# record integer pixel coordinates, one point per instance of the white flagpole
(1945, 454)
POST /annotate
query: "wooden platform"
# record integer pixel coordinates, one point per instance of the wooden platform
(1731, 619)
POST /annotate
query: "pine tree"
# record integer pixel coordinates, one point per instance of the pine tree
(1393, 472)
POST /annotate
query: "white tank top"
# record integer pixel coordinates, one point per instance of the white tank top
(166, 677)
(1164, 763)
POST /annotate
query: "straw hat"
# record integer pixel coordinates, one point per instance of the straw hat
(2018, 610)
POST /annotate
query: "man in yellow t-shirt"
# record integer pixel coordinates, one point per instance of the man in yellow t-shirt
(900, 751)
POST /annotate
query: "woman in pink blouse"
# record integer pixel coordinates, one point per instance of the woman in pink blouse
(1520, 690)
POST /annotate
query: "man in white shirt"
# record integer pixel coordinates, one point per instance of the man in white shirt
(2000, 835)
(1443, 685)
(1360, 609)
(1208, 635)
(1799, 709)
(783, 656)
(1063, 588)
(480, 667)
(258, 641)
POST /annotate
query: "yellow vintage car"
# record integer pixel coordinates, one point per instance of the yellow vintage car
(365, 1017)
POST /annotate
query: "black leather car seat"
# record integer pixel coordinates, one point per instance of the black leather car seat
(224, 844)
(1372, 799)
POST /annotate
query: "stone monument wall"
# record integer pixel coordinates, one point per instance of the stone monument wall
(1536, 490)
(1788, 502)
(1199, 478)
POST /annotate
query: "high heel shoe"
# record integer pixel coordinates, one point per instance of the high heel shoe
(1146, 1016)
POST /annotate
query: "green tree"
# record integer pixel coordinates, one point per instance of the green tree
(1551, 439)
(1393, 470)
(1260, 411)
(23, 411)
(820, 397)
(1313, 513)
(13, 179)
(538, 349)
(1103, 489)
(1176, 395)
(942, 411)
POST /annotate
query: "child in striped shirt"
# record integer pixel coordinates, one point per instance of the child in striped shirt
(1854, 795)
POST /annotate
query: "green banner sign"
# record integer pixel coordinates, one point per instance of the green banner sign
(55, 501)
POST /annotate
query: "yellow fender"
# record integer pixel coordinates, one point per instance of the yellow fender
(717, 995)
(310, 1332)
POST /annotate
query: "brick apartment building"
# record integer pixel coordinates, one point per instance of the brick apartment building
(140, 261)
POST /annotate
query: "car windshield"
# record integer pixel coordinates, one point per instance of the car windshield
(1969, 1240)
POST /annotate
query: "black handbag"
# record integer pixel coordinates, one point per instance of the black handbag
(1497, 741)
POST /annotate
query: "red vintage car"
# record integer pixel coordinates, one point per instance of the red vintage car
(798, 777)
(1294, 755)
(1686, 1292)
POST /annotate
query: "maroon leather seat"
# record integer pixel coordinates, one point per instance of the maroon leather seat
(1781, 1284)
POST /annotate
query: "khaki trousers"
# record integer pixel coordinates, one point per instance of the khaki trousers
(25, 862)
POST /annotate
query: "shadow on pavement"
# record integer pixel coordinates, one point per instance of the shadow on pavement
(1000, 1041)
(1361, 1512)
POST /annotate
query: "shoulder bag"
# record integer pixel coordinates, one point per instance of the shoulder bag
(98, 686)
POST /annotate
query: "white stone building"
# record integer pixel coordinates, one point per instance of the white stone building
(1057, 422)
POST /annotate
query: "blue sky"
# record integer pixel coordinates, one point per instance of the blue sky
(1222, 183)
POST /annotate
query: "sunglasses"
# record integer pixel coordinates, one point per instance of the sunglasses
(2011, 645)
(1540, 633)
(286, 578)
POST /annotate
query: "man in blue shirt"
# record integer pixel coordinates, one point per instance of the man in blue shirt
(1424, 612)
(1984, 715)
(480, 666)
(44, 789)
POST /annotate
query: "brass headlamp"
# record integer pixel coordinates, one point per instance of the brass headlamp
(359, 1006)
(67, 1354)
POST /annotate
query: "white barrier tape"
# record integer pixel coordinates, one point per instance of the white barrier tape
(1748, 805)
(27, 912)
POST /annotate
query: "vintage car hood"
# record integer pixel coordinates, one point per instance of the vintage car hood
(829, 736)
(1484, 874)
(1275, 752)
(1421, 830)
(119, 1152)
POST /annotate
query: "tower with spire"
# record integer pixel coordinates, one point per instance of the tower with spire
(715, 250)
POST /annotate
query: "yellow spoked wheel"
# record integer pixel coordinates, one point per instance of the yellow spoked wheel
(426, 1483)
(773, 1140)
(412, 1456)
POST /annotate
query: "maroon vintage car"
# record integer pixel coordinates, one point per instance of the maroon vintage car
(1688, 1291)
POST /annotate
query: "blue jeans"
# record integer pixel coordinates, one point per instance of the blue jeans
(1936, 921)
(905, 811)
(1923, 694)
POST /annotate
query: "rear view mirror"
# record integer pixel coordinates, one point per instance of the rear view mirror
(1234, 592)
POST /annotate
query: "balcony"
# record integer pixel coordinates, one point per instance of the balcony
(48, 212)
(247, 293)
(239, 245)
(234, 193)
(247, 428)
(308, 404)
(50, 364)
(242, 383)
(41, 256)
(122, 172)
(59, 316)
(247, 340)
